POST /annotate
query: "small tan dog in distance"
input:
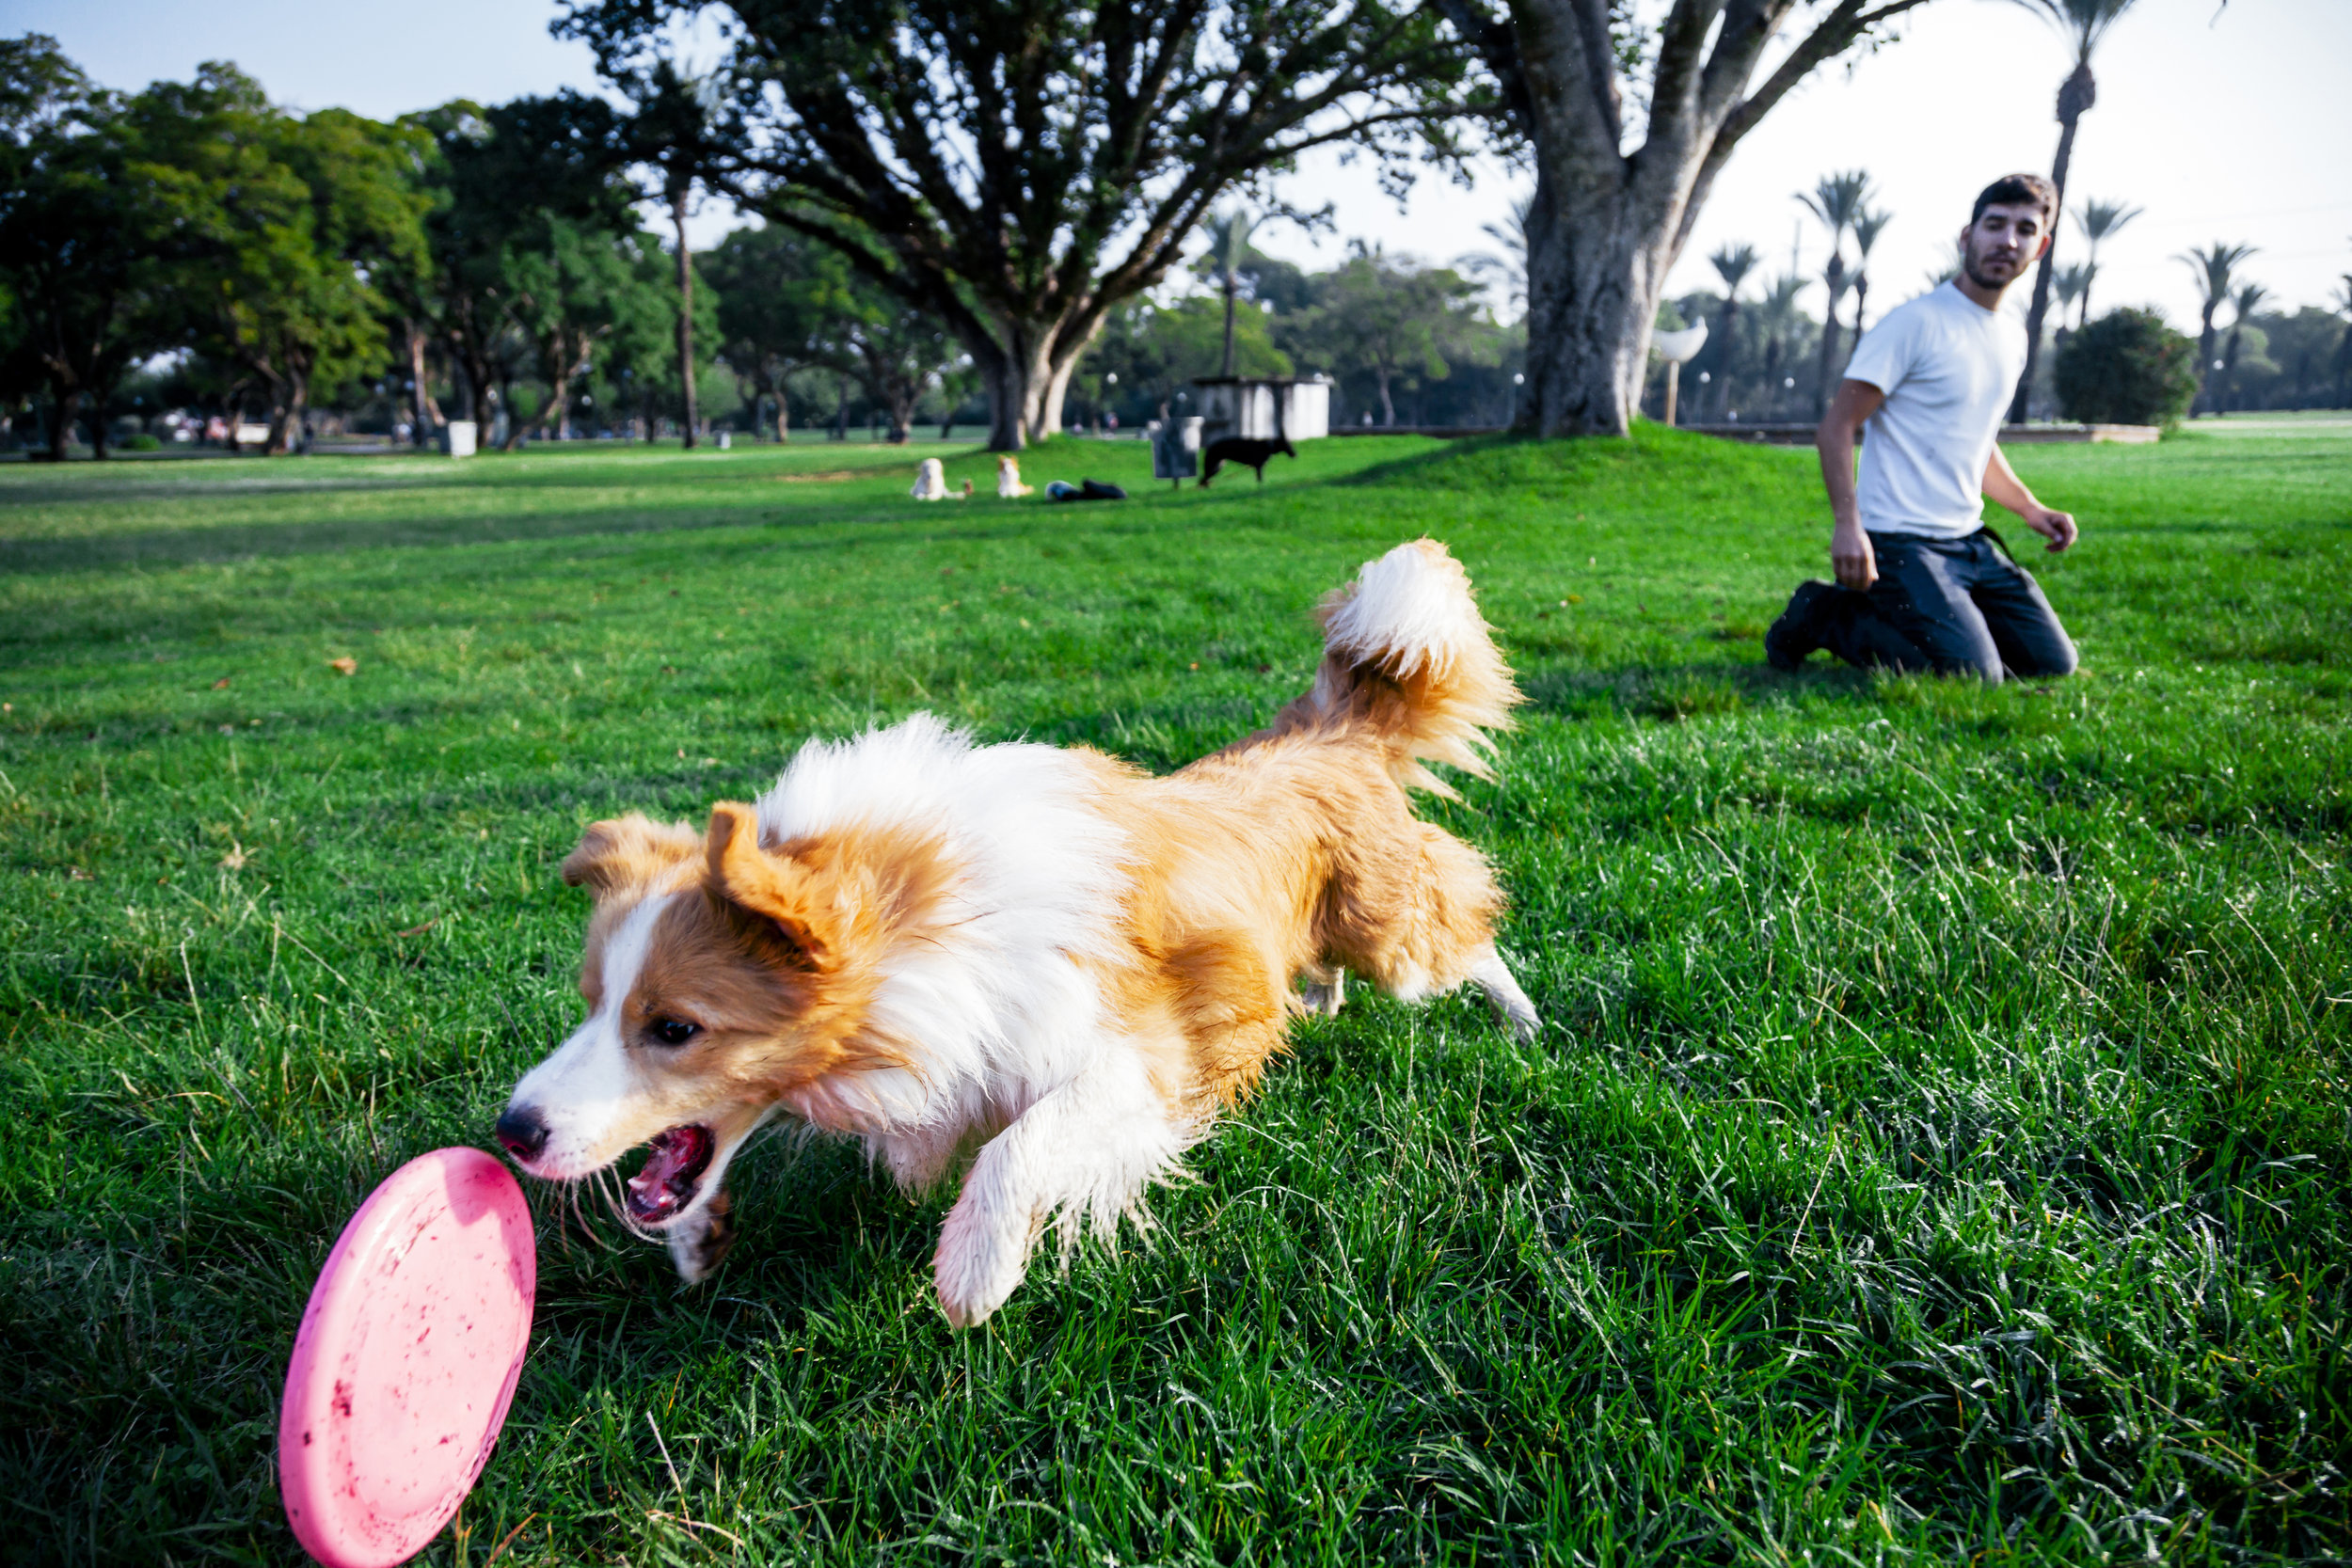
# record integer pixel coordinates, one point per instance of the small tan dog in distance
(1039, 969)
(1008, 485)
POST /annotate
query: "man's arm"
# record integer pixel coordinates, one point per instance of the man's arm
(1849, 546)
(2003, 486)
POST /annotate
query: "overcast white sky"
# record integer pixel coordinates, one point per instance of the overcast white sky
(2230, 124)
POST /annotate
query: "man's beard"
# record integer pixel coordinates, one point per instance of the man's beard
(1976, 275)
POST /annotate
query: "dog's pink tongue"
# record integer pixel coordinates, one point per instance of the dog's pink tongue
(668, 1157)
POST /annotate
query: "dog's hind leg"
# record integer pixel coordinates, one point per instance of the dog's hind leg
(1324, 990)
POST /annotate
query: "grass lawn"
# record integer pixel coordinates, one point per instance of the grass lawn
(1937, 1149)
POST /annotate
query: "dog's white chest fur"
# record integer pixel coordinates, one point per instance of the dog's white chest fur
(994, 995)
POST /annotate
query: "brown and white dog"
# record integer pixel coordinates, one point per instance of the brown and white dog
(1040, 968)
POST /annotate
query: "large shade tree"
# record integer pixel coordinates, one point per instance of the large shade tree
(1382, 320)
(1017, 169)
(81, 240)
(520, 179)
(781, 295)
(1628, 126)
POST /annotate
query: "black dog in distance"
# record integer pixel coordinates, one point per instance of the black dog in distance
(1242, 453)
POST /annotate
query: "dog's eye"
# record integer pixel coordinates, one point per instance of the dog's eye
(674, 1031)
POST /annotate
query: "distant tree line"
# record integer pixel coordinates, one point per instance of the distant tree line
(962, 212)
(192, 245)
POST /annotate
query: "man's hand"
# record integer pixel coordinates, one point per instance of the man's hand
(1849, 555)
(2057, 527)
(2003, 487)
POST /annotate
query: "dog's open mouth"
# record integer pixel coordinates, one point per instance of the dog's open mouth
(675, 1162)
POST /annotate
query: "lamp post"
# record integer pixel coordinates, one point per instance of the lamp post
(1675, 348)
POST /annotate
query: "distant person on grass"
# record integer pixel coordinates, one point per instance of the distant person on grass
(1922, 582)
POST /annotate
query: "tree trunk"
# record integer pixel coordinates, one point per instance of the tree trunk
(558, 407)
(2077, 94)
(2205, 362)
(1596, 260)
(291, 413)
(1832, 277)
(684, 311)
(1727, 360)
(784, 425)
(1387, 407)
(420, 392)
(99, 401)
(61, 425)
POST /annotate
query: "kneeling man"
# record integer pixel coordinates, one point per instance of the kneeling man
(1923, 584)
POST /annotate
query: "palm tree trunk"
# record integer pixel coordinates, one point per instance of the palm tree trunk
(2078, 93)
(1831, 276)
(2204, 361)
(1730, 320)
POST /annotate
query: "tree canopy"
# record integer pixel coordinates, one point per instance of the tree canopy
(1018, 171)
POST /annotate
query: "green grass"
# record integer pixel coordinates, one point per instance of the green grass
(1937, 1151)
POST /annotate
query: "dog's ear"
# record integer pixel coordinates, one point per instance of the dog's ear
(626, 850)
(797, 900)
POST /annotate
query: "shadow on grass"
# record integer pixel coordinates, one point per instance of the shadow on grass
(1674, 693)
(235, 545)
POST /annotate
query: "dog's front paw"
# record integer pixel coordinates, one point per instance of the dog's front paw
(981, 1261)
(699, 1243)
(1512, 1009)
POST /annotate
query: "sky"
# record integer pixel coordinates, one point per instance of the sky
(2225, 124)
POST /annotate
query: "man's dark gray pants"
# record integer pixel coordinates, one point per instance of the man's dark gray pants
(1957, 607)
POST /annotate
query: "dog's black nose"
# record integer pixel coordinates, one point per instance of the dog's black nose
(523, 1133)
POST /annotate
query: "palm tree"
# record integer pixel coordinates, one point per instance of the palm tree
(2213, 266)
(2084, 22)
(1867, 229)
(1732, 263)
(2074, 283)
(2100, 221)
(1228, 247)
(2246, 301)
(1776, 317)
(1836, 201)
(1510, 268)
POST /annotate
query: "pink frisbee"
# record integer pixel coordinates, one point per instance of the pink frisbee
(406, 1360)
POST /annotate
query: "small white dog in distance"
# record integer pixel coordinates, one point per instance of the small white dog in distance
(1039, 971)
(930, 483)
(1008, 485)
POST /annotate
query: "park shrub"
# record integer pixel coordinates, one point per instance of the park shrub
(2127, 368)
(142, 443)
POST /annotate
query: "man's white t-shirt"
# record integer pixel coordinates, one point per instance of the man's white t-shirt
(1948, 367)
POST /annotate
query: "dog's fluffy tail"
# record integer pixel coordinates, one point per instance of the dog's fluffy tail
(1407, 655)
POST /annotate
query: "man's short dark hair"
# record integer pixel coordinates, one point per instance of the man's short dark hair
(2018, 190)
